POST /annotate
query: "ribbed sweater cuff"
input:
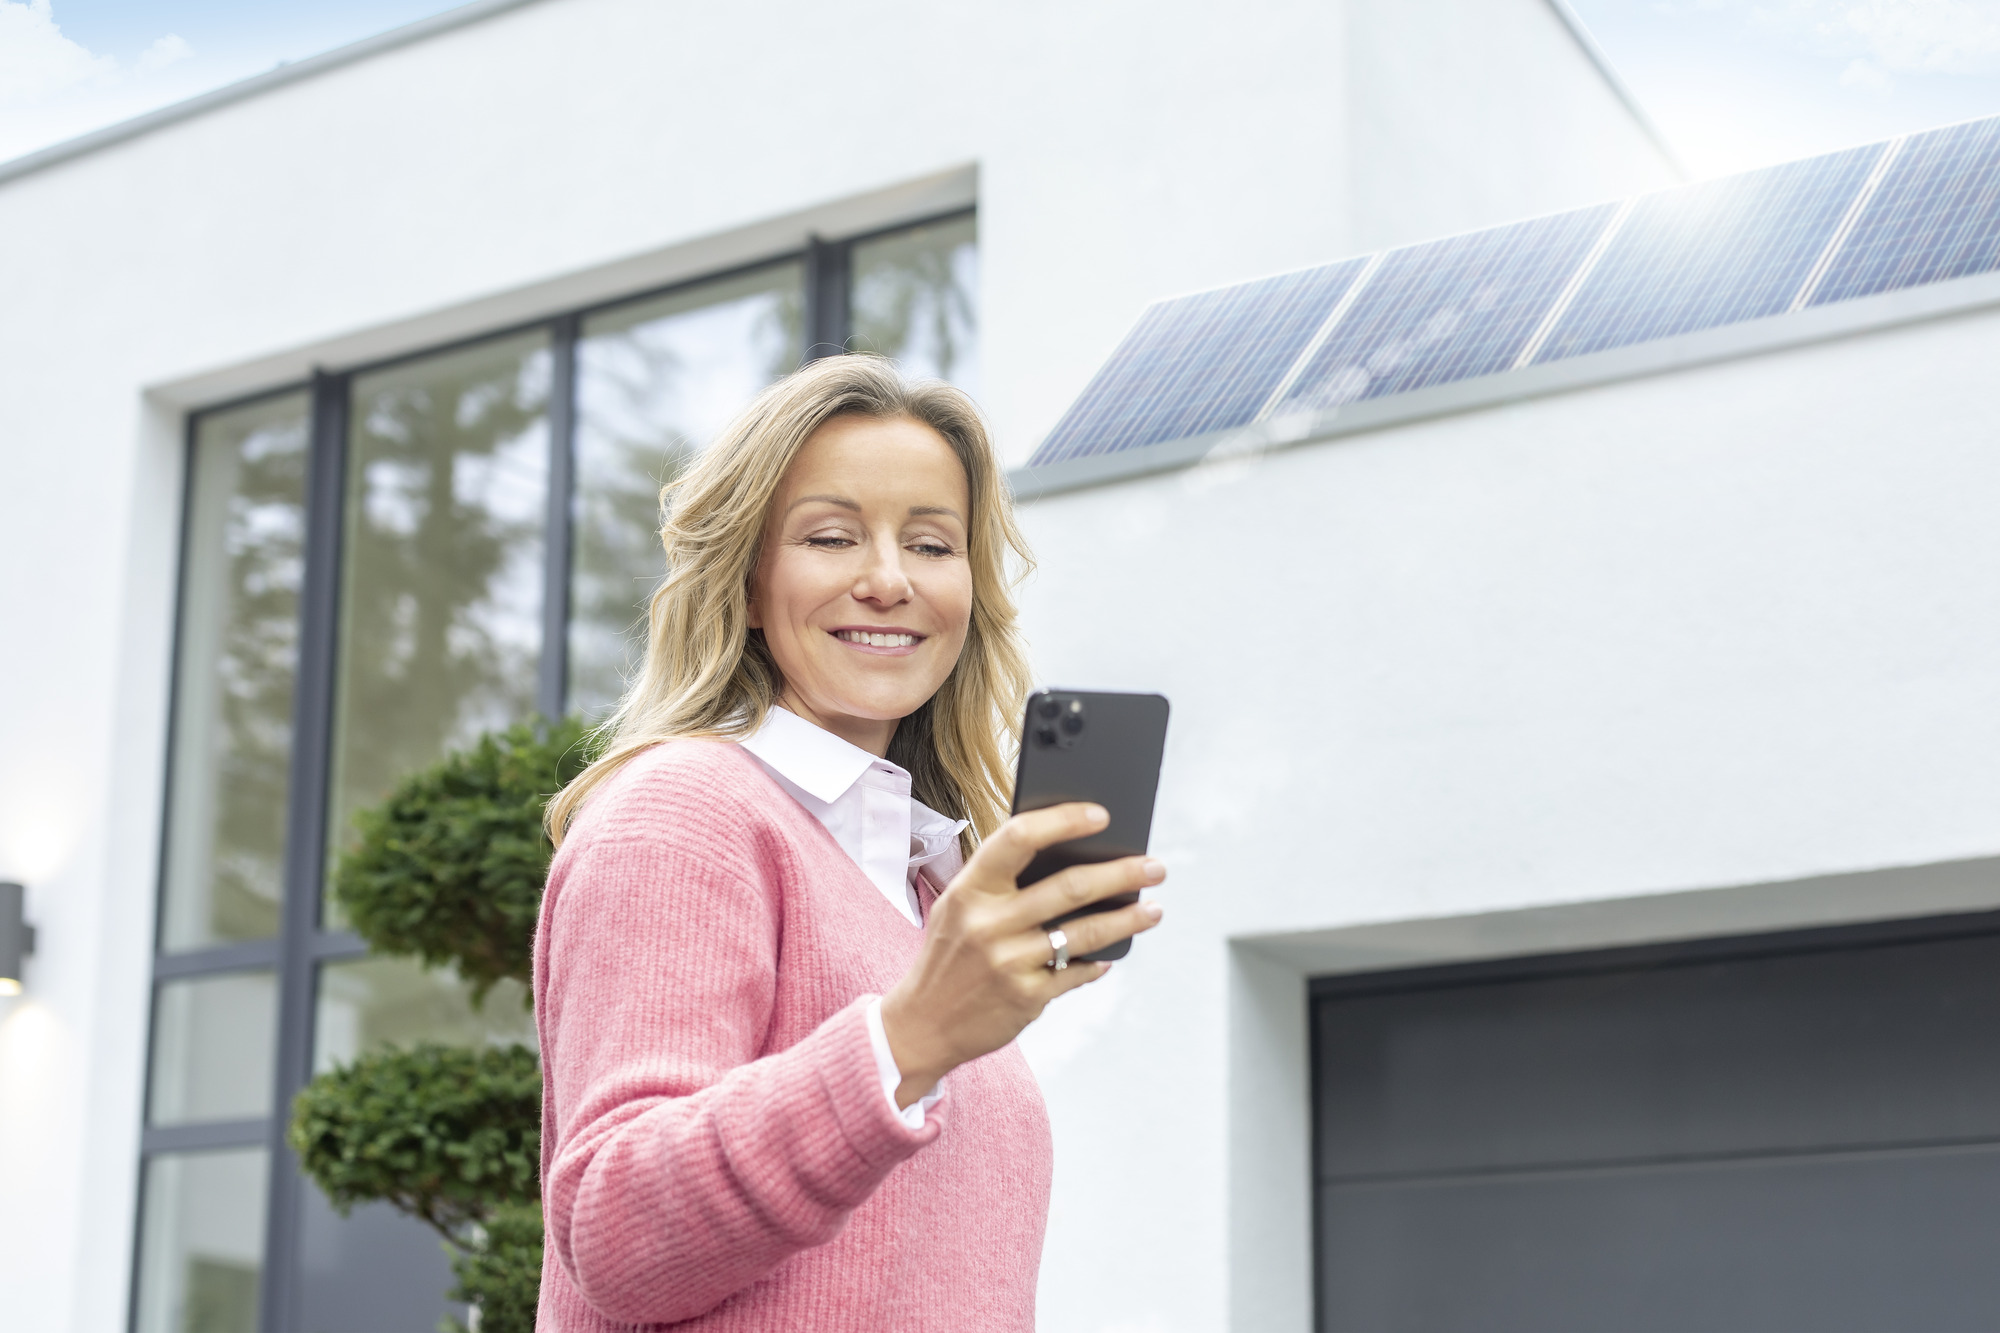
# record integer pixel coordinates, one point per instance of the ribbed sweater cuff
(853, 1089)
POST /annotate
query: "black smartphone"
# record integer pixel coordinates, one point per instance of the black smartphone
(1092, 745)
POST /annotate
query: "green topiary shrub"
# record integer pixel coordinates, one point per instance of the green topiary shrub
(445, 1134)
(450, 867)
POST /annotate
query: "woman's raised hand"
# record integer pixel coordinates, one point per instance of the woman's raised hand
(982, 974)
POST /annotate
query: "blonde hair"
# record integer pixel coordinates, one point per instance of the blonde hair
(707, 674)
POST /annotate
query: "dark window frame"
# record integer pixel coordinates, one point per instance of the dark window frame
(301, 946)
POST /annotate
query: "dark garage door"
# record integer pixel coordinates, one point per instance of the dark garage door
(1791, 1132)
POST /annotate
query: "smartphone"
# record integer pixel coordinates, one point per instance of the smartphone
(1092, 745)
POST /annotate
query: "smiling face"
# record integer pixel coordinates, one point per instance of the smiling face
(863, 589)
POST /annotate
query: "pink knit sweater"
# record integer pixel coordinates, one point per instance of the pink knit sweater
(716, 1148)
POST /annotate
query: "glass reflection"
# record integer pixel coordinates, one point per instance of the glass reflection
(201, 1242)
(233, 685)
(371, 1003)
(441, 578)
(655, 380)
(214, 1040)
(916, 299)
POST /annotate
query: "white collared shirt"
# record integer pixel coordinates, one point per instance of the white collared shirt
(865, 803)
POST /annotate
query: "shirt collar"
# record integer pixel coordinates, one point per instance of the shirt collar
(808, 756)
(825, 766)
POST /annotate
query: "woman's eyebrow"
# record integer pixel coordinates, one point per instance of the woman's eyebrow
(840, 500)
(925, 511)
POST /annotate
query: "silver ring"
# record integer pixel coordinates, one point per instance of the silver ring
(1060, 943)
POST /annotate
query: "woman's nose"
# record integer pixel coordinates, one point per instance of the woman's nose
(882, 578)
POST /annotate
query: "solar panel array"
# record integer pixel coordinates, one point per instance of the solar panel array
(1917, 210)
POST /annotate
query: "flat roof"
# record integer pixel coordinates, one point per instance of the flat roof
(293, 71)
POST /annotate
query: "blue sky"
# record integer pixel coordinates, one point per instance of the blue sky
(1731, 83)
(71, 66)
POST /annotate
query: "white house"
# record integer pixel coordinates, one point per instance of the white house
(1582, 784)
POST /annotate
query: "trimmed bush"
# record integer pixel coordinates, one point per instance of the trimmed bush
(450, 867)
(446, 1135)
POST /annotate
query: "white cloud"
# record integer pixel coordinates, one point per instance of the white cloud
(39, 65)
(36, 60)
(164, 52)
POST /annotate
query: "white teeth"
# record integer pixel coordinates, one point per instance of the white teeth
(876, 640)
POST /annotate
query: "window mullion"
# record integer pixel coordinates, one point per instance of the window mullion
(552, 687)
(305, 849)
(829, 318)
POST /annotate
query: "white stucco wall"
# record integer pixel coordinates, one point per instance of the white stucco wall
(561, 152)
(1727, 627)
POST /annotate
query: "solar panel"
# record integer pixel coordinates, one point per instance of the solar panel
(1715, 253)
(1936, 215)
(1447, 310)
(1872, 219)
(1198, 363)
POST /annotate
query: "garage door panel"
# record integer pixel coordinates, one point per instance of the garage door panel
(1907, 1241)
(1831, 1048)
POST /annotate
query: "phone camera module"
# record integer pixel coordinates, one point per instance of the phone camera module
(1071, 722)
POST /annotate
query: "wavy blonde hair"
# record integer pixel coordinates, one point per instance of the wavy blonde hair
(708, 674)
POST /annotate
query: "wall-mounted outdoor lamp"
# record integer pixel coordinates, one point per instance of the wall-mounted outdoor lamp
(17, 937)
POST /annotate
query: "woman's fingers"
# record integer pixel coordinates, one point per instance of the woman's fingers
(1007, 853)
(1077, 974)
(1088, 934)
(1079, 886)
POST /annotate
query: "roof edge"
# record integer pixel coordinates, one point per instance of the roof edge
(1619, 88)
(242, 89)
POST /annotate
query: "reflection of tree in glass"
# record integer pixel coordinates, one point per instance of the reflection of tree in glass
(442, 572)
(617, 561)
(652, 391)
(254, 666)
(914, 299)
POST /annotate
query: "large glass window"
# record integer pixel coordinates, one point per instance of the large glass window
(212, 1074)
(375, 571)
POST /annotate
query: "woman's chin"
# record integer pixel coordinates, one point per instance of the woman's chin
(879, 706)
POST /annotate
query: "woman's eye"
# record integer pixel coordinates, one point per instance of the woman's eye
(829, 543)
(931, 548)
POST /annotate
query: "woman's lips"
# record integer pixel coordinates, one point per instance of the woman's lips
(879, 643)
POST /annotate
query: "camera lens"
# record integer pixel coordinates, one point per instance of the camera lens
(1072, 723)
(1049, 706)
(1045, 735)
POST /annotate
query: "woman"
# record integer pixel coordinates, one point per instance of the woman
(776, 1001)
